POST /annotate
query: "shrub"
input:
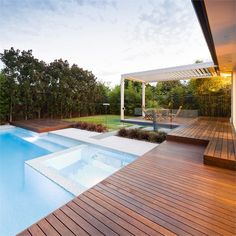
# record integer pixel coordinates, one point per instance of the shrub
(162, 136)
(122, 132)
(143, 135)
(101, 128)
(156, 137)
(152, 137)
(91, 127)
(133, 133)
(82, 125)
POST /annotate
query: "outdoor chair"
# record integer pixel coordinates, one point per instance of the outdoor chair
(172, 116)
(148, 114)
(162, 113)
(151, 112)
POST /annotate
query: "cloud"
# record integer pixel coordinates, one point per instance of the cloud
(168, 22)
(97, 3)
(108, 37)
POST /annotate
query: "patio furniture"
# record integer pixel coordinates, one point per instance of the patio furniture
(174, 115)
(162, 113)
(151, 112)
(148, 114)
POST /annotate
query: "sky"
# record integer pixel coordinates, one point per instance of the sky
(107, 37)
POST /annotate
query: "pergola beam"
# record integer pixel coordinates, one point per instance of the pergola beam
(193, 71)
(196, 70)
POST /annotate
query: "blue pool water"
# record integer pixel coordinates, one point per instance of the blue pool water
(26, 195)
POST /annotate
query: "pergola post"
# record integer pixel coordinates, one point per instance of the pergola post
(122, 98)
(233, 99)
(143, 98)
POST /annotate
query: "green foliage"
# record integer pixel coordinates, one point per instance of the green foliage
(4, 98)
(133, 96)
(114, 100)
(209, 85)
(31, 88)
(152, 104)
(212, 96)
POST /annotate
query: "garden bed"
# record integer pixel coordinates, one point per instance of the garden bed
(100, 128)
(150, 136)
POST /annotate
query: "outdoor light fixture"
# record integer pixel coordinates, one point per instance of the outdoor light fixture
(106, 105)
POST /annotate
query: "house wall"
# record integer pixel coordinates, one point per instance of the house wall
(233, 110)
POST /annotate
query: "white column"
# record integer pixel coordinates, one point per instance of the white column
(143, 98)
(233, 99)
(122, 98)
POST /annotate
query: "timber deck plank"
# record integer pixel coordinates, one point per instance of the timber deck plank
(43, 125)
(168, 191)
(220, 138)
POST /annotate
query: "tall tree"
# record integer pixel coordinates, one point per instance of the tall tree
(37, 89)
(11, 85)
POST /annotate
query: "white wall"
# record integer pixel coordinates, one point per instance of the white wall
(233, 109)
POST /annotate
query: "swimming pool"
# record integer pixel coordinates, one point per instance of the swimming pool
(82, 167)
(26, 195)
(62, 168)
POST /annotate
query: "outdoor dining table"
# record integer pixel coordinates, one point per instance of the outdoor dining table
(157, 113)
(162, 111)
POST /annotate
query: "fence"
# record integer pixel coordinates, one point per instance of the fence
(205, 105)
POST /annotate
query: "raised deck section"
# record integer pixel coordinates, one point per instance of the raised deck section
(168, 191)
(43, 125)
(217, 134)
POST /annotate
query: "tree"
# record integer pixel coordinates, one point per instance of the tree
(114, 100)
(212, 95)
(20, 70)
(31, 88)
(4, 98)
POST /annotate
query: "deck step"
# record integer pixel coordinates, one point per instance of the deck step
(217, 134)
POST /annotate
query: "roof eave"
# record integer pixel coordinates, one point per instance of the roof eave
(200, 9)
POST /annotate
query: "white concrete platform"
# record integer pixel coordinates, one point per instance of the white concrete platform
(75, 133)
(3, 127)
(131, 146)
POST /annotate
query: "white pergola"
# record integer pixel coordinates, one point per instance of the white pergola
(193, 71)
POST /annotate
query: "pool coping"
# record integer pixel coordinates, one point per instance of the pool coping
(68, 184)
(126, 145)
(86, 137)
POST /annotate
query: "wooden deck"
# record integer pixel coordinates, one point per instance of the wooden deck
(168, 191)
(217, 134)
(43, 125)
